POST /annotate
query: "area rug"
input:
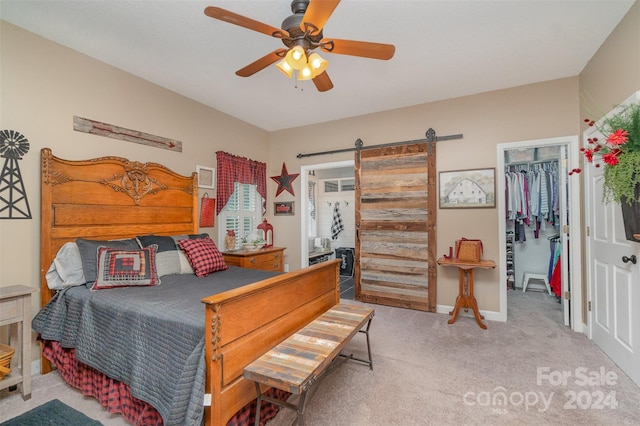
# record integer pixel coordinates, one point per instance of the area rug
(53, 413)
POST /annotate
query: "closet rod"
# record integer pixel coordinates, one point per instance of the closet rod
(524, 163)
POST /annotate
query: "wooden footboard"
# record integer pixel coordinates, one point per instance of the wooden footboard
(243, 324)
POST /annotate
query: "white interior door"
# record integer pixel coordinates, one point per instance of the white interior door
(614, 293)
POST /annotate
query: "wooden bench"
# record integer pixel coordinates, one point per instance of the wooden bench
(296, 363)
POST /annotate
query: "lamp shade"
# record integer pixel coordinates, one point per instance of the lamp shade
(318, 64)
(285, 68)
(306, 73)
(296, 57)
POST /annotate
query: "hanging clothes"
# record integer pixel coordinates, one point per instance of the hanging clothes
(532, 198)
(556, 279)
(336, 224)
(555, 265)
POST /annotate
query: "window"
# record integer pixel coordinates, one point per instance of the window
(242, 214)
(331, 186)
(347, 185)
(339, 185)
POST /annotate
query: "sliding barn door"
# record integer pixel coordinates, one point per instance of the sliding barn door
(396, 226)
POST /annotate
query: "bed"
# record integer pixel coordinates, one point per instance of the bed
(111, 198)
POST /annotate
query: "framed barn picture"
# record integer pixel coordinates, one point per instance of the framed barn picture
(465, 189)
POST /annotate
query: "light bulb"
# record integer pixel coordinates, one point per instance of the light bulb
(296, 54)
(305, 73)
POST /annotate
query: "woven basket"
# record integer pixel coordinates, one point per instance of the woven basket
(469, 250)
(6, 352)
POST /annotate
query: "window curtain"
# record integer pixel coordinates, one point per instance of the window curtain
(232, 169)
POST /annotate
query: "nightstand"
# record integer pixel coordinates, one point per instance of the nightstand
(267, 259)
(15, 308)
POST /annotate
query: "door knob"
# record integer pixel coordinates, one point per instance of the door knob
(633, 259)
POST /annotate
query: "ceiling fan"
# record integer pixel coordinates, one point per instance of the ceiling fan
(301, 33)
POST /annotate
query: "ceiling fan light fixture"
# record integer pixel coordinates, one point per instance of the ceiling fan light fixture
(296, 57)
(318, 64)
(285, 68)
(302, 33)
(306, 73)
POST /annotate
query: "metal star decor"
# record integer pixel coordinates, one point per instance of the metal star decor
(285, 180)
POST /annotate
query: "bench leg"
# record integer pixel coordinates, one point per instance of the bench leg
(300, 409)
(366, 332)
(258, 403)
(370, 360)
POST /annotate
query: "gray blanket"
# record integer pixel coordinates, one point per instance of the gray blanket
(151, 338)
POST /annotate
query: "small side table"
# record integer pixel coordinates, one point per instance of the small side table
(465, 298)
(15, 308)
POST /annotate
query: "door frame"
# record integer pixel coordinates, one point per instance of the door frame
(304, 196)
(574, 223)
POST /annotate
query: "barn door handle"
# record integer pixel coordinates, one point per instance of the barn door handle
(633, 259)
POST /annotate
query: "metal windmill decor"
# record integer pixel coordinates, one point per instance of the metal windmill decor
(13, 196)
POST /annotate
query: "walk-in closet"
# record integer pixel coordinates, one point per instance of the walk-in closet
(533, 216)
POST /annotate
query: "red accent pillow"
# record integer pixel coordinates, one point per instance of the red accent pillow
(203, 255)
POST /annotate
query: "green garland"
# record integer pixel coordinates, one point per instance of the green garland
(620, 181)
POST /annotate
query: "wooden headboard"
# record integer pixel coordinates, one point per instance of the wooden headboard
(110, 198)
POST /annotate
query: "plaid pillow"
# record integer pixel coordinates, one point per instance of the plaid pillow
(123, 268)
(203, 255)
(89, 253)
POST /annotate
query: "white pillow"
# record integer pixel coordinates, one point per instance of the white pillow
(66, 268)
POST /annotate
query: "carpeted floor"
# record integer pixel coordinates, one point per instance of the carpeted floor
(427, 372)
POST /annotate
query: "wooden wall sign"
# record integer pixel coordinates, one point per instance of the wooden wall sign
(109, 130)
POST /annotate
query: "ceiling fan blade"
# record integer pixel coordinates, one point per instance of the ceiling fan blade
(358, 48)
(323, 82)
(243, 21)
(261, 63)
(317, 14)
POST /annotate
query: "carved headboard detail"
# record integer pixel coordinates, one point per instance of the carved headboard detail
(110, 198)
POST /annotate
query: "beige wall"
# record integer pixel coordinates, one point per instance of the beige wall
(613, 73)
(43, 85)
(535, 111)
